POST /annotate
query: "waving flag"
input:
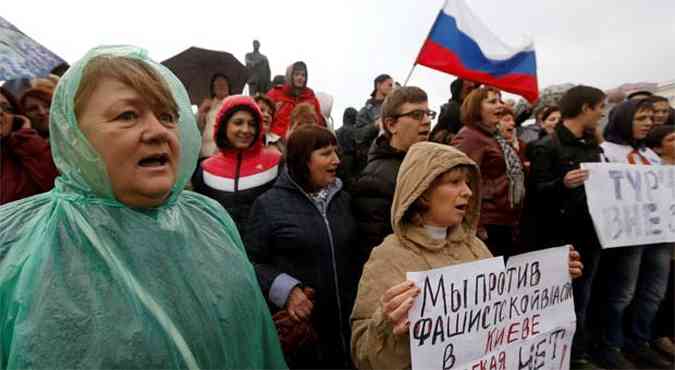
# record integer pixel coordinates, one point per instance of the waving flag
(460, 44)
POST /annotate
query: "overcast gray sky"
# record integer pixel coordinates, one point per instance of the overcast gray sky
(347, 43)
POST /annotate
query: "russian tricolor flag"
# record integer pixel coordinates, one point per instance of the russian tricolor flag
(460, 44)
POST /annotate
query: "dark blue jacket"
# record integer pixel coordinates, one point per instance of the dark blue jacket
(288, 233)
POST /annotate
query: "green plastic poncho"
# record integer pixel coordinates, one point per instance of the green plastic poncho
(88, 283)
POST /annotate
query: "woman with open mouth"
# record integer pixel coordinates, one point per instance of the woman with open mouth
(118, 267)
(501, 167)
(435, 217)
(301, 238)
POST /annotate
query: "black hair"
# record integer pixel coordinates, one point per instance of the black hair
(657, 134)
(657, 99)
(213, 81)
(572, 102)
(299, 147)
(222, 141)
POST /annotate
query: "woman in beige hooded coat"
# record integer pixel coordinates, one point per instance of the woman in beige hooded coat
(435, 216)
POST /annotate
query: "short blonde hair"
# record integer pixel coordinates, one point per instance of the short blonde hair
(134, 73)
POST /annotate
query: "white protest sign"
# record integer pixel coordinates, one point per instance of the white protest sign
(631, 204)
(484, 316)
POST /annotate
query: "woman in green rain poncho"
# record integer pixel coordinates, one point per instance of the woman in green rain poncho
(117, 267)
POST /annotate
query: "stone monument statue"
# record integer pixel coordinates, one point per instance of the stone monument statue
(259, 66)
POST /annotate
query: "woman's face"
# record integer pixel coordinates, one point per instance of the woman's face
(299, 77)
(448, 201)
(507, 126)
(551, 122)
(323, 166)
(5, 105)
(642, 123)
(37, 111)
(491, 108)
(668, 146)
(5, 116)
(267, 116)
(221, 88)
(241, 130)
(140, 148)
(661, 112)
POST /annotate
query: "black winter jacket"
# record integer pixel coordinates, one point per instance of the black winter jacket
(236, 181)
(558, 214)
(365, 130)
(289, 234)
(349, 168)
(373, 194)
(449, 117)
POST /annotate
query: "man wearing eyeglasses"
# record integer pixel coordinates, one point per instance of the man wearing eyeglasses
(406, 120)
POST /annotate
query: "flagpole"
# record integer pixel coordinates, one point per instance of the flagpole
(418, 53)
(409, 74)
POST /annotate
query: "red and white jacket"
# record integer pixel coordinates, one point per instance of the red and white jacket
(236, 178)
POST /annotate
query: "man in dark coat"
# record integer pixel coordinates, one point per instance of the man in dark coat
(349, 167)
(558, 186)
(448, 120)
(366, 128)
(406, 120)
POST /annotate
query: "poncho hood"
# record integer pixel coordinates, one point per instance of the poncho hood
(89, 283)
(83, 171)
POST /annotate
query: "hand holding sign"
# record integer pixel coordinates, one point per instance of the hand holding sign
(396, 302)
(575, 178)
(487, 315)
(575, 266)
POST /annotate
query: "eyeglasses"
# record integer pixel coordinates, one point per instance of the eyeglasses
(418, 114)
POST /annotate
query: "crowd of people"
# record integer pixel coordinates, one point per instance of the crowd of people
(135, 233)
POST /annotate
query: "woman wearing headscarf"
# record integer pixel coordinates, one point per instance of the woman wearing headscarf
(118, 267)
(219, 87)
(26, 165)
(301, 237)
(501, 167)
(435, 216)
(639, 274)
(287, 96)
(243, 168)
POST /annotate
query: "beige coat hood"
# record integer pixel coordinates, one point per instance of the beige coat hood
(411, 248)
(422, 165)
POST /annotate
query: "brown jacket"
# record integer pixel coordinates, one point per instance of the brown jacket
(484, 149)
(410, 248)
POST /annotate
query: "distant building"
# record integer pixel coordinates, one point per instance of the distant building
(667, 90)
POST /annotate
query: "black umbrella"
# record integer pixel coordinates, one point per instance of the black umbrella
(195, 67)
